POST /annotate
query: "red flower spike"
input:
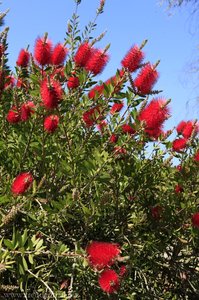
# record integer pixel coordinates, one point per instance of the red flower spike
(179, 144)
(196, 156)
(178, 189)
(22, 183)
(156, 212)
(51, 123)
(43, 51)
(113, 138)
(91, 116)
(9, 81)
(109, 281)
(128, 129)
(195, 220)
(189, 129)
(73, 82)
(180, 127)
(179, 168)
(26, 110)
(154, 114)
(97, 61)
(83, 54)
(13, 115)
(133, 59)
(123, 271)
(59, 54)
(51, 95)
(146, 79)
(116, 108)
(118, 150)
(102, 254)
(23, 58)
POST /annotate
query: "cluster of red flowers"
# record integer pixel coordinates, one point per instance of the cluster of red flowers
(22, 113)
(92, 59)
(102, 255)
(186, 130)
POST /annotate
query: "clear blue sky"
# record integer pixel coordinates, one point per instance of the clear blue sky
(128, 22)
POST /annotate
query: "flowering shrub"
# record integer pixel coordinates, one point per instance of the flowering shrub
(92, 204)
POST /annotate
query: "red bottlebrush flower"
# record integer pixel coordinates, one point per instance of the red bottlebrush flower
(20, 83)
(109, 281)
(101, 125)
(83, 54)
(117, 81)
(178, 189)
(128, 129)
(73, 82)
(179, 168)
(195, 219)
(196, 156)
(113, 138)
(91, 116)
(97, 61)
(154, 114)
(179, 144)
(51, 93)
(26, 110)
(146, 79)
(43, 51)
(9, 82)
(13, 115)
(22, 183)
(102, 254)
(189, 129)
(123, 271)
(133, 59)
(116, 108)
(180, 127)
(96, 91)
(156, 212)
(59, 54)
(23, 58)
(51, 123)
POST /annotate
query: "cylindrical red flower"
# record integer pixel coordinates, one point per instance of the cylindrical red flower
(43, 51)
(91, 116)
(13, 115)
(102, 254)
(179, 144)
(156, 212)
(109, 281)
(23, 58)
(195, 219)
(154, 114)
(133, 59)
(113, 138)
(22, 183)
(26, 110)
(196, 156)
(83, 54)
(116, 108)
(51, 93)
(146, 79)
(178, 189)
(51, 123)
(97, 61)
(96, 91)
(73, 82)
(126, 128)
(59, 54)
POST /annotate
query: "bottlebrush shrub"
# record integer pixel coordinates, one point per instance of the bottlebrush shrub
(91, 204)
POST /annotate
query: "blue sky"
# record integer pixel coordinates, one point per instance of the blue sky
(128, 22)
